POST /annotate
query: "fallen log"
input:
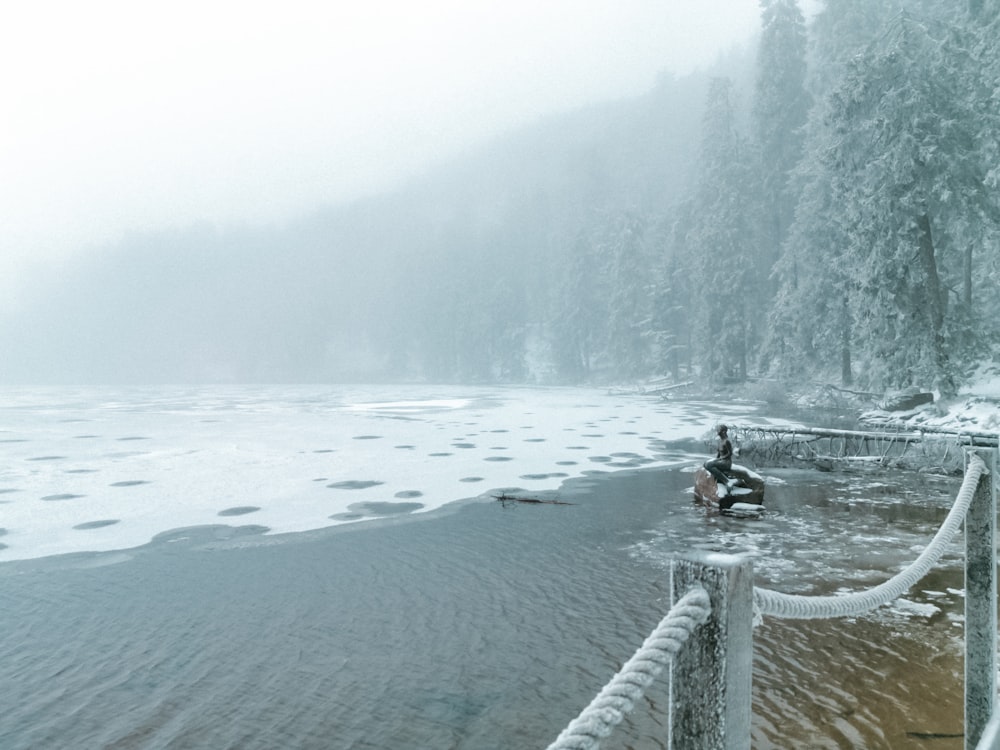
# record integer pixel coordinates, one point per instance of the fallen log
(826, 447)
(979, 439)
(983, 439)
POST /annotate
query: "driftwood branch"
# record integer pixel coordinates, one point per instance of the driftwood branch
(503, 498)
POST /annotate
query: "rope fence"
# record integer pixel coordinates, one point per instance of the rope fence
(775, 604)
(659, 650)
(619, 696)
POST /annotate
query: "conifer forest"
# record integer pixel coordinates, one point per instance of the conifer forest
(824, 205)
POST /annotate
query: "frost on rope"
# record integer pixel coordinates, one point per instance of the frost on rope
(618, 697)
(767, 602)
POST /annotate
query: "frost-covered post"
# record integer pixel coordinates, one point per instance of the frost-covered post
(981, 603)
(711, 677)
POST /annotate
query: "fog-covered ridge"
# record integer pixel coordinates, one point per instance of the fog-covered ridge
(824, 207)
(350, 292)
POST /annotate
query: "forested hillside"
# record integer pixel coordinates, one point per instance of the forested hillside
(827, 207)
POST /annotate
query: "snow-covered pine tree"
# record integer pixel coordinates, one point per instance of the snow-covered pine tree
(981, 283)
(578, 319)
(810, 327)
(905, 171)
(723, 241)
(630, 298)
(673, 296)
(780, 109)
(838, 32)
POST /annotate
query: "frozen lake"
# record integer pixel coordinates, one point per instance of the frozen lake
(185, 618)
(108, 469)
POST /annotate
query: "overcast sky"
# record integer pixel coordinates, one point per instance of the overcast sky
(131, 115)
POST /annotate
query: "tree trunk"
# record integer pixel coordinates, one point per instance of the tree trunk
(929, 263)
(846, 368)
(846, 371)
(935, 303)
(967, 274)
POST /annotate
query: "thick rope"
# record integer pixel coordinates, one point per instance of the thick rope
(767, 602)
(618, 697)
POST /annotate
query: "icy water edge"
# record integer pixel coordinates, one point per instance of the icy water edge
(478, 626)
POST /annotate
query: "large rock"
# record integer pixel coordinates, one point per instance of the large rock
(907, 399)
(749, 488)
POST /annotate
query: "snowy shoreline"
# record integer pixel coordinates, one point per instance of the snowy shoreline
(102, 469)
(105, 469)
(974, 410)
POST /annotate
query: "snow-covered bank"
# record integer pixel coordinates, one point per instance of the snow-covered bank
(976, 409)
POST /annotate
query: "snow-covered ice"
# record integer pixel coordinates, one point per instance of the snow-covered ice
(106, 469)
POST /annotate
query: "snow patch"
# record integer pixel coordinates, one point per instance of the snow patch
(975, 409)
(917, 609)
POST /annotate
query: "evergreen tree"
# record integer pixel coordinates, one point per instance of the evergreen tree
(904, 169)
(722, 242)
(780, 110)
(577, 321)
(810, 327)
(981, 272)
(841, 30)
(629, 303)
(672, 298)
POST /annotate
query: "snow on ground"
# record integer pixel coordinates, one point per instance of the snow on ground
(975, 409)
(109, 469)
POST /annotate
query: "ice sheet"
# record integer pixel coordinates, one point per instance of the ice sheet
(103, 469)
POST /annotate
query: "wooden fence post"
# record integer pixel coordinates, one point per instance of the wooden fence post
(711, 678)
(981, 604)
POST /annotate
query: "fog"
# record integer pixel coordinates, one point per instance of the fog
(502, 193)
(120, 117)
(366, 289)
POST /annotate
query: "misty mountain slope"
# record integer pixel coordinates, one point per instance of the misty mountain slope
(406, 284)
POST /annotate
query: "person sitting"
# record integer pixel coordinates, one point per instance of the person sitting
(723, 460)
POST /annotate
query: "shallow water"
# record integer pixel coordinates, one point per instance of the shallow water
(890, 679)
(478, 626)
